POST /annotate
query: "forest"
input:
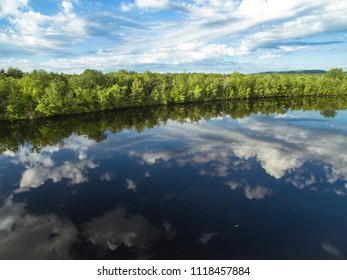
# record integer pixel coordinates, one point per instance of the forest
(41, 94)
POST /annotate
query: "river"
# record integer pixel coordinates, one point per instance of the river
(225, 180)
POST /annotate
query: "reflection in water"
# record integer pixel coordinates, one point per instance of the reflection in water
(40, 167)
(331, 249)
(239, 180)
(131, 185)
(114, 229)
(26, 236)
(206, 237)
(279, 148)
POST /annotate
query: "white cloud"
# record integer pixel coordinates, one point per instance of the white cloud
(40, 167)
(301, 180)
(169, 56)
(320, 17)
(269, 55)
(195, 35)
(292, 48)
(21, 63)
(79, 144)
(131, 185)
(116, 227)
(74, 172)
(35, 32)
(106, 176)
(151, 158)
(280, 149)
(339, 192)
(257, 192)
(26, 236)
(11, 7)
(67, 6)
(29, 158)
(146, 4)
(233, 185)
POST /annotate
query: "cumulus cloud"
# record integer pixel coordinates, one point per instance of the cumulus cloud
(281, 150)
(79, 144)
(258, 192)
(106, 176)
(26, 236)
(233, 185)
(300, 180)
(40, 167)
(33, 31)
(131, 185)
(67, 6)
(29, 158)
(115, 228)
(73, 172)
(151, 158)
(11, 7)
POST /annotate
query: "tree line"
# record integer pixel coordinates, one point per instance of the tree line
(41, 94)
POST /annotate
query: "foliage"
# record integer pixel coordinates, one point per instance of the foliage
(52, 131)
(40, 94)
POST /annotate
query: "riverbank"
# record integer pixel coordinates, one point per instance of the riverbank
(40, 94)
(51, 131)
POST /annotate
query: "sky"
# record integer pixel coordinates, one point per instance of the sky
(220, 36)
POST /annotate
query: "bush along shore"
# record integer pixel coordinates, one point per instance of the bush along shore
(40, 94)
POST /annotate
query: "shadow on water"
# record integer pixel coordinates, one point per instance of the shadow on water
(248, 179)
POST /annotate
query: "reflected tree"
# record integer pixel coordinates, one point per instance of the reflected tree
(52, 131)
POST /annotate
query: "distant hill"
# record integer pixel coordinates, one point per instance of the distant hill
(294, 72)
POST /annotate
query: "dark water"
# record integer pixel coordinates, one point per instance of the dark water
(241, 180)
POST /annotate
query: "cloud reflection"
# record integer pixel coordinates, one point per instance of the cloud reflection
(331, 249)
(108, 176)
(27, 236)
(131, 185)
(73, 172)
(206, 237)
(279, 145)
(256, 193)
(40, 166)
(116, 227)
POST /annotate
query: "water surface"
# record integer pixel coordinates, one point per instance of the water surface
(240, 180)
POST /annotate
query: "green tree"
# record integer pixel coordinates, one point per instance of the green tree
(14, 73)
(335, 73)
(137, 92)
(52, 102)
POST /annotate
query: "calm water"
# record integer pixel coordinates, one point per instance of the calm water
(211, 181)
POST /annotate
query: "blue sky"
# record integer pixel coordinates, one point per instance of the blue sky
(173, 35)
